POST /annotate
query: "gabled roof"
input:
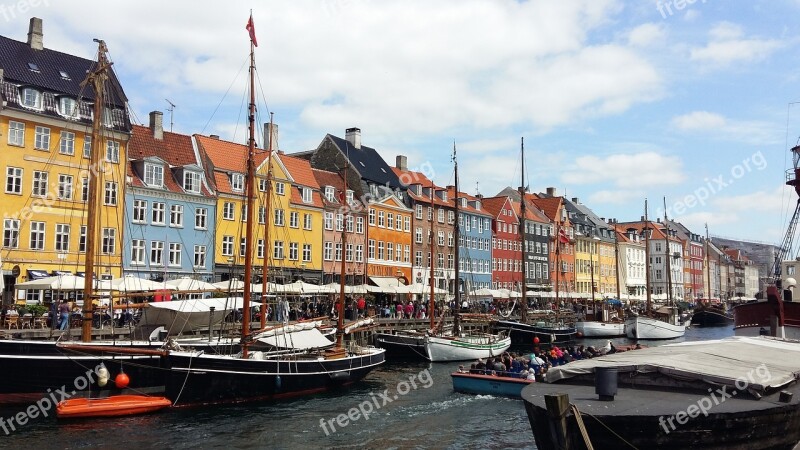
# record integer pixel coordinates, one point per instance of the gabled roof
(451, 195)
(421, 179)
(299, 170)
(228, 156)
(550, 206)
(367, 162)
(495, 204)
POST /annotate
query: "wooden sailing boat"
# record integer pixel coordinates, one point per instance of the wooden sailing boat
(252, 376)
(707, 314)
(460, 346)
(664, 322)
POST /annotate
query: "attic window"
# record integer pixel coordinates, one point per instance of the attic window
(383, 170)
(33, 67)
(362, 163)
(64, 75)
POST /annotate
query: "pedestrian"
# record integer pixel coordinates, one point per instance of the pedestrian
(63, 312)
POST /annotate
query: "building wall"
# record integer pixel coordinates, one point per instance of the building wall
(475, 251)
(380, 234)
(506, 250)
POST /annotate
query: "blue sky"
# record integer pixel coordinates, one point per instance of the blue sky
(617, 101)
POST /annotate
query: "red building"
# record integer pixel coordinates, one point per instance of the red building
(506, 245)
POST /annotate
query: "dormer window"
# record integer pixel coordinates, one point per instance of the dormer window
(33, 67)
(31, 98)
(237, 182)
(191, 182)
(417, 188)
(478, 204)
(373, 189)
(444, 196)
(64, 75)
(154, 175)
(463, 202)
(280, 188)
(68, 107)
(306, 194)
(349, 196)
(329, 193)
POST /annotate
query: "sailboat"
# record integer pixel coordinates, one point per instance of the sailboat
(707, 314)
(663, 323)
(460, 346)
(197, 378)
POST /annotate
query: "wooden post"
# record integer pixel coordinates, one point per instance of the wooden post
(557, 407)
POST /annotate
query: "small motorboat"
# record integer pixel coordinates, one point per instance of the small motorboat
(474, 383)
(114, 406)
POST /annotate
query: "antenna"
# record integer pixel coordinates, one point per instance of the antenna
(171, 109)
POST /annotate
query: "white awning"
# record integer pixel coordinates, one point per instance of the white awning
(387, 285)
(298, 340)
(187, 315)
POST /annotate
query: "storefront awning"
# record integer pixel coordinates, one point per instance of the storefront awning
(34, 274)
(61, 272)
(387, 284)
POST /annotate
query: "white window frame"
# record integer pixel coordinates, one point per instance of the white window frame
(176, 216)
(157, 253)
(16, 133)
(14, 180)
(137, 252)
(201, 219)
(41, 140)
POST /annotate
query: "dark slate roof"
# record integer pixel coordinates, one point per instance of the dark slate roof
(368, 163)
(14, 59)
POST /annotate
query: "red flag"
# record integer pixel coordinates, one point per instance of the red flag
(562, 236)
(251, 27)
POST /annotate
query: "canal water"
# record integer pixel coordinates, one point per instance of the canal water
(407, 406)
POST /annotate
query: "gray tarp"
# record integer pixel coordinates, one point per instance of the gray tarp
(764, 363)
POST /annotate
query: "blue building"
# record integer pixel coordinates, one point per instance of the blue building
(474, 242)
(170, 209)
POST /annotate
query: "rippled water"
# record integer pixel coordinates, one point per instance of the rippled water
(433, 417)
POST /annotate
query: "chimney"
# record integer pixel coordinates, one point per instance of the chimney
(575, 200)
(270, 135)
(642, 219)
(157, 125)
(401, 162)
(353, 136)
(35, 37)
(551, 192)
(213, 136)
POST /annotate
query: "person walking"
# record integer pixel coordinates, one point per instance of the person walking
(63, 313)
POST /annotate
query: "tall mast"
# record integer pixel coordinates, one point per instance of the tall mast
(97, 80)
(432, 307)
(250, 185)
(591, 271)
(558, 255)
(666, 252)
(523, 312)
(267, 216)
(647, 255)
(708, 270)
(456, 235)
(616, 260)
(340, 313)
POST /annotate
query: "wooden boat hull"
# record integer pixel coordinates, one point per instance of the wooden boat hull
(198, 379)
(402, 346)
(753, 319)
(600, 329)
(640, 327)
(468, 348)
(114, 406)
(471, 383)
(523, 334)
(709, 318)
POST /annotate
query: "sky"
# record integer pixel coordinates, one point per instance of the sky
(688, 103)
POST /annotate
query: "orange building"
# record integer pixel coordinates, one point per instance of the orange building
(389, 241)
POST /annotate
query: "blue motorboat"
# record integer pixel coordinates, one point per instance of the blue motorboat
(474, 383)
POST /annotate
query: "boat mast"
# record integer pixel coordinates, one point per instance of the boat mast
(346, 212)
(97, 79)
(591, 273)
(267, 208)
(432, 307)
(647, 256)
(708, 271)
(250, 185)
(666, 252)
(456, 251)
(558, 255)
(523, 312)
(616, 259)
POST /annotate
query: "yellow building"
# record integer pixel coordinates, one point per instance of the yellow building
(45, 122)
(607, 259)
(293, 213)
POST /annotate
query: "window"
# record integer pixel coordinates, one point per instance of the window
(260, 249)
(200, 256)
(449, 239)
(10, 233)
(440, 236)
(262, 214)
(348, 252)
(380, 250)
(109, 241)
(372, 217)
(112, 151)
(191, 182)
(244, 213)
(65, 187)
(329, 193)
(360, 225)
(418, 235)
(31, 97)
(450, 262)
(159, 210)
(277, 250)
(278, 217)
(67, 143)
(228, 211)
(430, 213)
(406, 253)
(87, 146)
(337, 252)
(62, 237)
(359, 252)
(13, 180)
(82, 240)
(201, 218)
(237, 182)
(294, 219)
(68, 106)
(137, 252)
(349, 197)
(262, 185)
(156, 253)
(306, 252)
(371, 249)
(227, 245)
(306, 221)
(242, 246)
(328, 220)
(280, 188)
(407, 224)
(174, 254)
(16, 133)
(418, 258)
(339, 222)
(349, 223)
(176, 216)
(110, 196)
(39, 183)
(451, 217)
(154, 175)
(293, 249)
(389, 220)
(306, 195)
(327, 251)
(390, 251)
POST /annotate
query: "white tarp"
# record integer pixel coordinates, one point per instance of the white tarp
(298, 339)
(721, 362)
(179, 316)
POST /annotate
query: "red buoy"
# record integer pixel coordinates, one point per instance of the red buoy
(122, 380)
(535, 340)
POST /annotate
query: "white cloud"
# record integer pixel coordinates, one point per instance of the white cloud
(753, 132)
(617, 197)
(699, 120)
(626, 170)
(727, 45)
(760, 201)
(647, 34)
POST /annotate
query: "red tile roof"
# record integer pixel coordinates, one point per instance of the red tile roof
(300, 170)
(228, 156)
(495, 204)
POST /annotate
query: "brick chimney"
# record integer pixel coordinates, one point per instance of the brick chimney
(401, 162)
(551, 192)
(270, 135)
(35, 36)
(157, 125)
(353, 136)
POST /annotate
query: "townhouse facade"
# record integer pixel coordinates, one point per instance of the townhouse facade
(506, 244)
(562, 249)
(389, 244)
(474, 242)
